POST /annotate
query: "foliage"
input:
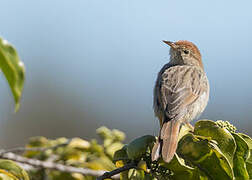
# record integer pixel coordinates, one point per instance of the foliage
(13, 69)
(214, 150)
(78, 153)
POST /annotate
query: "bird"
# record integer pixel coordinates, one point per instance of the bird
(181, 94)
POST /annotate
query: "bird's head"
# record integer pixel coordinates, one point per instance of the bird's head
(184, 53)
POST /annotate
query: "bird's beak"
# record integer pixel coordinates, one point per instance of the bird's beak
(171, 44)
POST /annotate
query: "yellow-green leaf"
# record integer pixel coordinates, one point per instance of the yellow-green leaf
(241, 154)
(13, 169)
(4, 175)
(13, 69)
(205, 155)
(249, 142)
(182, 171)
(179, 169)
(110, 150)
(79, 143)
(225, 140)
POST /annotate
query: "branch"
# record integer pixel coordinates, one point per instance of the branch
(53, 166)
(117, 171)
(23, 149)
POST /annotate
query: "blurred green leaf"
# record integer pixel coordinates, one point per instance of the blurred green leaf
(13, 69)
(34, 142)
(104, 133)
(100, 163)
(118, 135)
(13, 170)
(96, 148)
(72, 156)
(113, 148)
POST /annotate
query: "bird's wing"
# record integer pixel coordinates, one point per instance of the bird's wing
(180, 86)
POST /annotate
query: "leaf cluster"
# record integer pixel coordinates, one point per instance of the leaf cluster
(214, 150)
(77, 153)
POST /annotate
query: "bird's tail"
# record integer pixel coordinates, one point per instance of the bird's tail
(167, 141)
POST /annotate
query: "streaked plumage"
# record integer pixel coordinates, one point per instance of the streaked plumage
(180, 95)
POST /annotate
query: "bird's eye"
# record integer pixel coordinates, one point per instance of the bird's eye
(186, 51)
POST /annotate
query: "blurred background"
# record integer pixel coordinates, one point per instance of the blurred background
(91, 63)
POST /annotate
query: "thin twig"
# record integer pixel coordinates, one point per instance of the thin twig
(23, 149)
(54, 166)
(117, 171)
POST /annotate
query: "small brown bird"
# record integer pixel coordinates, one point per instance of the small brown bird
(180, 95)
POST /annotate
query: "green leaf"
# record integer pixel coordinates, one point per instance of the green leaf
(222, 136)
(137, 148)
(205, 155)
(241, 154)
(118, 135)
(182, 171)
(110, 150)
(100, 163)
(95, 147)
(249, 159)
(72, 156)
(38, 141)
(121, 154)
(104, 133)
(79, 143)
(249, 143)
(13, 170)
(13, 69)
